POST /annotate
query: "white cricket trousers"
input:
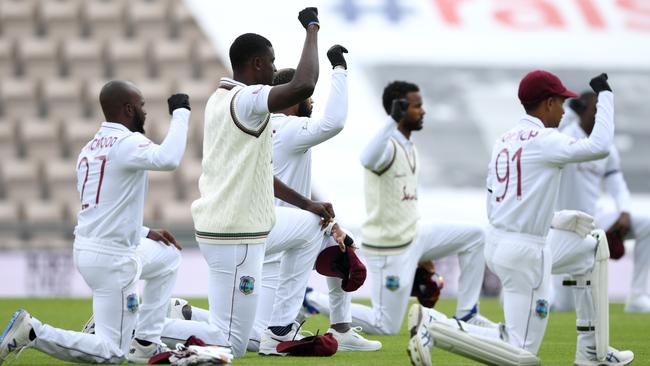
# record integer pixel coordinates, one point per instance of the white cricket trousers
(291, 249)
(115, 306)
(233, 290)
(112, 279)
(391, 277)
(160, 265)
(523, 264)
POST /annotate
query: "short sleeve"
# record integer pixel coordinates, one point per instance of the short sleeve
(251, 106)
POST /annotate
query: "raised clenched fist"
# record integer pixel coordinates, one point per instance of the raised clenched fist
(178, 101)
(308, 16)
(398, 109)
(335, 55)
(599, 83)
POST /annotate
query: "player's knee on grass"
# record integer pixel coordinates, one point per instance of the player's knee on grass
(389, 325)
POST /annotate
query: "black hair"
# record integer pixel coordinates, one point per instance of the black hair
(283, 76)
(530, 107)
(245, 47)
(579, 104)
(396, 90)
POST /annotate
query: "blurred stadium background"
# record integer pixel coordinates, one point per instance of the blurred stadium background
(467, 56)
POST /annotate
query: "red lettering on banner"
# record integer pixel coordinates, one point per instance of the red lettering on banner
(591, 14)
(528, 14)
(449, 11)
(639, 13)
(531, 15)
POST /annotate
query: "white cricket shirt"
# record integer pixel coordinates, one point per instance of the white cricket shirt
(112, 182)
(293, 137)
(581, 183)
(525, 169)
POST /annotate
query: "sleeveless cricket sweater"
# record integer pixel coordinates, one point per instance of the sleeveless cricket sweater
(236, 183)
(391, 204)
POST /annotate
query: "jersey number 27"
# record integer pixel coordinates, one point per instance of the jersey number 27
(84, 160)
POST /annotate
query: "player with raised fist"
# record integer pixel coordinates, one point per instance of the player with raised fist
(395, 240)
(522, 186)
(112, 248)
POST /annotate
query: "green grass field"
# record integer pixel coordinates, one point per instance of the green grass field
(629, 331)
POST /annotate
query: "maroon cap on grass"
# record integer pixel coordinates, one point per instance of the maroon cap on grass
(539, 84)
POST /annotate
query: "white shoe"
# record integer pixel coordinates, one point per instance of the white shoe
(481, 321)
(419, 348)
(413, 318)
(587, 357)
(638, 304)
(16, 335)
(270, 341)
(418, 313)
(89, 327)
(179, 309)
(353, 341)
(474, 318)
(141, 354)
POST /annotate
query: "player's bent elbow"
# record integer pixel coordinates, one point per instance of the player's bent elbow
(304, 88)
(337, 128)
(169, 164)
(601, 153)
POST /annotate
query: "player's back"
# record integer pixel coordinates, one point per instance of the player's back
(112, 197)
(522, 184)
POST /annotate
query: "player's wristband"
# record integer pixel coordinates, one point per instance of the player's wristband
(314, 23)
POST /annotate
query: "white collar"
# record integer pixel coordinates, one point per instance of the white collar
(534, 120)
(117, 126)
(232, 81)
(399, 136)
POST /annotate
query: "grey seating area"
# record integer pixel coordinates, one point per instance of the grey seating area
(55, 55)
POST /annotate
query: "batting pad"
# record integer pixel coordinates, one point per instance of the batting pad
(599, 290)
(486, 350)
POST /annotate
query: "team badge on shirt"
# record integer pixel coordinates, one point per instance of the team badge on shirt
(392, 283)
(541, 308)
(132, 303)
(246, 285)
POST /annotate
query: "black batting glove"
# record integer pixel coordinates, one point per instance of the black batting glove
(599, 83)
(398, 109)
(308, 16)
(335, 55)
(178, 101)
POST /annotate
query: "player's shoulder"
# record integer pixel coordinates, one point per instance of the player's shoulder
(284, 124)
(134, 140)
(247, 92)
